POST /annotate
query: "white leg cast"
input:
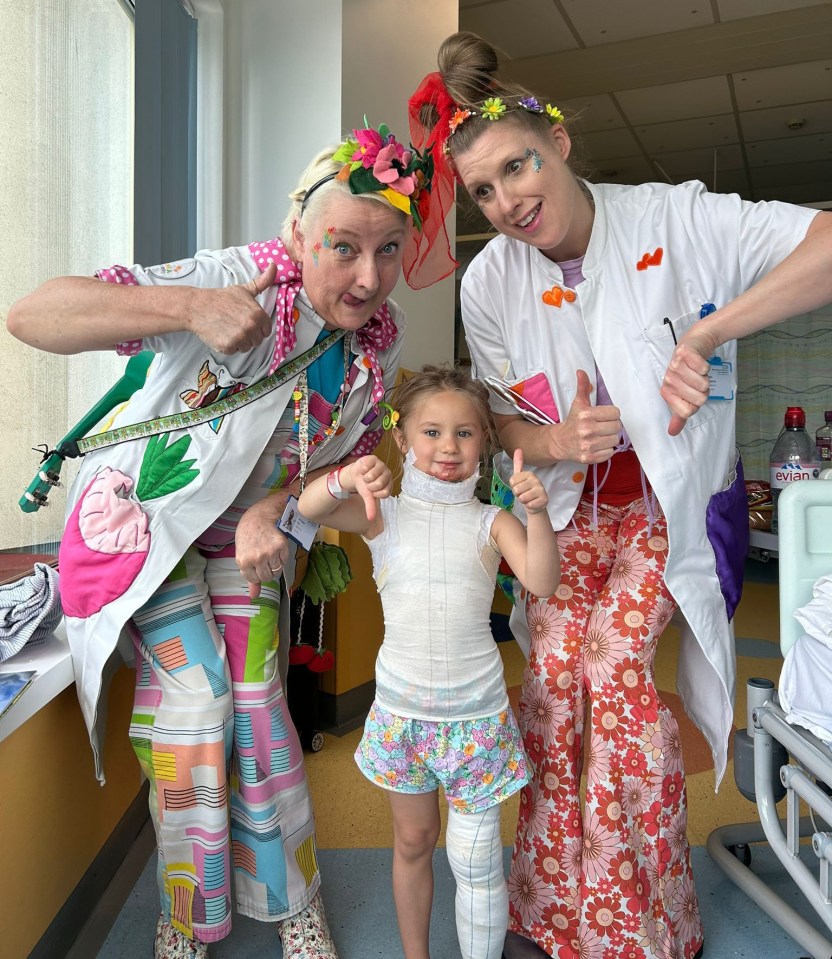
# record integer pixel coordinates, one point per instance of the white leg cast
(475, 854)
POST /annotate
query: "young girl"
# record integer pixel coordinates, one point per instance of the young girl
(441, 714)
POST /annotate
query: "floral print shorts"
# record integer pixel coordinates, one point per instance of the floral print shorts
(478, 762)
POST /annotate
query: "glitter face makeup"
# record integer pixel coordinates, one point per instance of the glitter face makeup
(329, 235)
(536, 158)
(316, 249)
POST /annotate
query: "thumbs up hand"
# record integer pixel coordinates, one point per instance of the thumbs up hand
(589, 434)
(527, 487)
(229, 319)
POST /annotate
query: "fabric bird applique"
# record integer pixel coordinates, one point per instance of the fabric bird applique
(211, 387)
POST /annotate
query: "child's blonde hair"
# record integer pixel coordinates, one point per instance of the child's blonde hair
(445, 379)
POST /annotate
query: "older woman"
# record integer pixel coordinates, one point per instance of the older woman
(173, 541)
(573, 315)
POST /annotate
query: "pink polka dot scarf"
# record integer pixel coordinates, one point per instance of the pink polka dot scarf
(379, 333)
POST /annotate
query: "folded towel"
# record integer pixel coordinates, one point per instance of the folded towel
(30, 609)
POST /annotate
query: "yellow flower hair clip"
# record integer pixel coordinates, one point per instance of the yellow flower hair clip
(391, 416)
(555, 116)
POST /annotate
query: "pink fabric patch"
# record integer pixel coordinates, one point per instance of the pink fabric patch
(120, 274)
(535, 394)
(104, 546)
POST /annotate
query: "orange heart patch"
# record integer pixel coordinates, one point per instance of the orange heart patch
(650, 259)
(556, 296)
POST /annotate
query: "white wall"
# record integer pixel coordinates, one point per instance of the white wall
(299, 76)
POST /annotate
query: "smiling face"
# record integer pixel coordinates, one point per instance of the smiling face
(519, 179)
(350, 249)
(445, 432)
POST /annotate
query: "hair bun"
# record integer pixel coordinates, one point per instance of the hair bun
(467, 64)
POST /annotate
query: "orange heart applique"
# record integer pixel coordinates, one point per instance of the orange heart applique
(556, 296)
(650, 259)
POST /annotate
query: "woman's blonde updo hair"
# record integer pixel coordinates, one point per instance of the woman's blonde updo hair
(322, 166)
(445, 379)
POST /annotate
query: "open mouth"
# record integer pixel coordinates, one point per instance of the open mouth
(353, 301)
(529, 218)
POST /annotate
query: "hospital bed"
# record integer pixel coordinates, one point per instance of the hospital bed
(777, 759)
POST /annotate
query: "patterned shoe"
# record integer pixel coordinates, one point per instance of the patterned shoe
(170, 943)
(306, 935)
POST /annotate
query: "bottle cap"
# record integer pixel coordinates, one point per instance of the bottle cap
(828, 416)
(795, 417)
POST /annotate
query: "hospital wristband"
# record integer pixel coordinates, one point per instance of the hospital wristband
(334, 487)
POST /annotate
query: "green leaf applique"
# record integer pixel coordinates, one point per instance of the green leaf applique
(163, 468)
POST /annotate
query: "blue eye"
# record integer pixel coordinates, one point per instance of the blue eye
(389, 249)
(343, 248)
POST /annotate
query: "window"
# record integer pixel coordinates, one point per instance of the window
(66, 152)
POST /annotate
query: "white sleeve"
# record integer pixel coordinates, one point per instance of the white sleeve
(484, 335)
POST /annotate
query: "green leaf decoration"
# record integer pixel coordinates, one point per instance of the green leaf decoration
(327, 573)
(344, 153)
(362, 180)
(163, 468)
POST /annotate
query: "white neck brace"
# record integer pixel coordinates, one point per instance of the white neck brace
(434, 490)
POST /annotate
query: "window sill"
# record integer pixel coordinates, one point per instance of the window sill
(53, 664)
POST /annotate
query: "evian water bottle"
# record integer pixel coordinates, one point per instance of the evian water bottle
(793, 458)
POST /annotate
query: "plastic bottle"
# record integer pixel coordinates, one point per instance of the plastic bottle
(823, 440)
(794, 457)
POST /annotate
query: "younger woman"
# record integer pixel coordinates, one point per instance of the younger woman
(441, 714)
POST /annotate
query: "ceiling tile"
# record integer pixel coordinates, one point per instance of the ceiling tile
(591, 114)
(739, 9)
(610, 143)
(519, 28)
(793, 150)
(727, 181)
(780, 174)
(692, 163)
(676, 101)
(633, 169)
(774, 123)
(599, 21)
(797, 83)
(689, 134)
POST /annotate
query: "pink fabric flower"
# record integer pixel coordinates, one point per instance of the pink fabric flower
(370, 143)
(390, 163)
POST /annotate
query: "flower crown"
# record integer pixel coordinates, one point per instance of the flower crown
(375, 162)
(494, 108)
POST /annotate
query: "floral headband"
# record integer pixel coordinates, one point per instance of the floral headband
(494, 108)
(375, 162)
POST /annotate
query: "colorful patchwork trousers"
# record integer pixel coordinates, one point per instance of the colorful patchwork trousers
(213, 734)
(608, 877)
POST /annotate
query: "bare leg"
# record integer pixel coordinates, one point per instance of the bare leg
(416, 827)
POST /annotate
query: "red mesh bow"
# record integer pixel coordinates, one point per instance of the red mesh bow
(425, 260)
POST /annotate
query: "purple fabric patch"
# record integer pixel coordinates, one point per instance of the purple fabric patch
(726, 521)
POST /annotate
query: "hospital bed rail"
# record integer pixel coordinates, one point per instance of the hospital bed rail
(805, 554)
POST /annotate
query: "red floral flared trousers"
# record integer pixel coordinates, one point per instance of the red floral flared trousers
(609, 877)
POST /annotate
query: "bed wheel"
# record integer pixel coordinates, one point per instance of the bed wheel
(741, 851)
(316, 742)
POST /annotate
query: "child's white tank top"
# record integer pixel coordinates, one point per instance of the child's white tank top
(435, 573)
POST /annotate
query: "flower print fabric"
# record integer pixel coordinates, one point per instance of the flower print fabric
(479, 762)
(610, 876)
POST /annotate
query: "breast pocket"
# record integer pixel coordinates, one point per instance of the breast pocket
(661, 338)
